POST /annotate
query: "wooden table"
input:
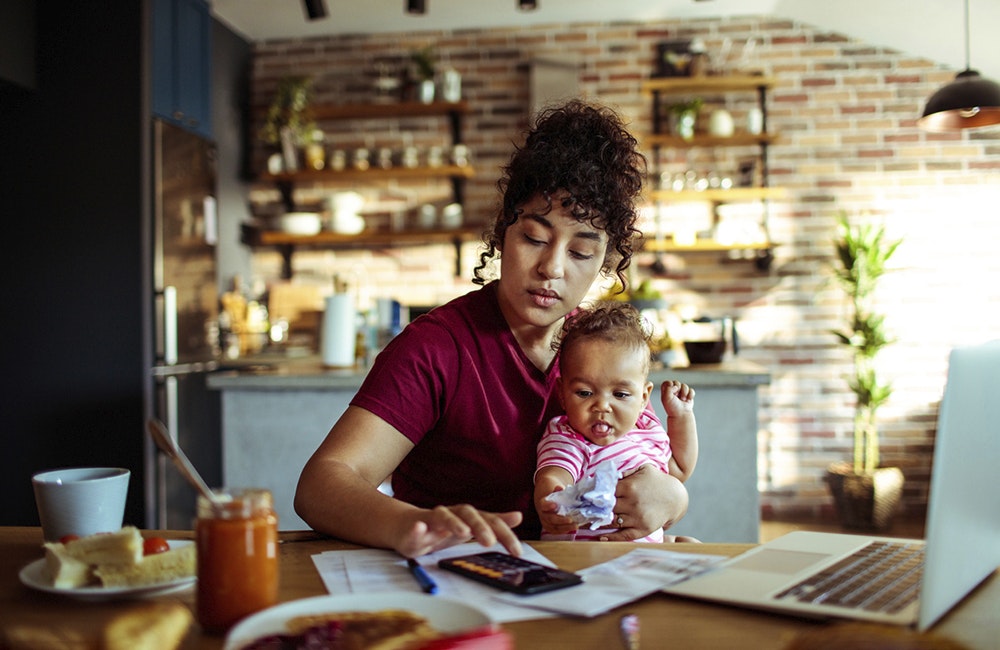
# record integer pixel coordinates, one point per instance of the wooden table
(666, 621)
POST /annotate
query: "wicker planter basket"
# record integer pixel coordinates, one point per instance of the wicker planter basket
(865, 501)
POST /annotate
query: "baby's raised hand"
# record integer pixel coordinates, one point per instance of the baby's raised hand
(677, 398)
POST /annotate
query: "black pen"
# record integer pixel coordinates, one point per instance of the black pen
(425, 581)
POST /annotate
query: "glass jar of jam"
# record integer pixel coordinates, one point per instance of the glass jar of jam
(237, 544)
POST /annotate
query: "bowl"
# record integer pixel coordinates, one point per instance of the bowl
(299, 223)
(700, 352)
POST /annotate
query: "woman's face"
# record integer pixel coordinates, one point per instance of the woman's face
(547, 264)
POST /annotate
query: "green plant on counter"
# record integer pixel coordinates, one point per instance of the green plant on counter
(862, 256)
(290, 109)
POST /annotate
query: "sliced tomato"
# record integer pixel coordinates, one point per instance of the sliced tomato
(154, 545)
(66, 539)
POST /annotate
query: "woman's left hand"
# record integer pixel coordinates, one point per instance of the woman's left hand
(646, 500)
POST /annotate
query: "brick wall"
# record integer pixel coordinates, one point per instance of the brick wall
(846, 113)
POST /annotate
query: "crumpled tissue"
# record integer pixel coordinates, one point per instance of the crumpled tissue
(591, 500)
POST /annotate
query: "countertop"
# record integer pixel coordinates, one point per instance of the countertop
(278, 372)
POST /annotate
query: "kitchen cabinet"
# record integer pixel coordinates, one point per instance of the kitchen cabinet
(182, 55)
(755, 188)
(302, 400)
(287, 182)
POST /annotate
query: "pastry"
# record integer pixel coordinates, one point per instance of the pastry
(66, 571)
(121, 547)
(152, 626)
(389, 629)
(176, 563)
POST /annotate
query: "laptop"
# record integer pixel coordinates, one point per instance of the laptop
(962, 545)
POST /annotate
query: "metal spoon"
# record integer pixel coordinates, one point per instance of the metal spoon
(170, 447)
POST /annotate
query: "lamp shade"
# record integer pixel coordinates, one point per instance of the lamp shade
(315, 9)
(968, 102)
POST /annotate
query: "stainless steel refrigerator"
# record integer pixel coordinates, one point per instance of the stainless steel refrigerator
(185, 321)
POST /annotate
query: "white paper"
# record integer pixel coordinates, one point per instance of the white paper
(608, 585)
(372, 571)
(619, 581)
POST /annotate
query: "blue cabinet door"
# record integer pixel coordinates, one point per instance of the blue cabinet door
(182, 58)
(164, 95)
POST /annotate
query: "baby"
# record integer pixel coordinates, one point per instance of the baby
(604, 389)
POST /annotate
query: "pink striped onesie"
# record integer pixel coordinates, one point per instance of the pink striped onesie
(562, 446)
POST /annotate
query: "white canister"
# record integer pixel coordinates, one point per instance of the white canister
(451, 85)
(720, 124)
(755, 121)
(339, 335)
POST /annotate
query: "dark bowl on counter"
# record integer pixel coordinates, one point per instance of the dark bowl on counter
(700, 352)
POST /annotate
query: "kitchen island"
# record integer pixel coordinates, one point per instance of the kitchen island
(275, 413)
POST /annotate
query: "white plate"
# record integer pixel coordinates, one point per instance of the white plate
(35, 576)
(443, 614)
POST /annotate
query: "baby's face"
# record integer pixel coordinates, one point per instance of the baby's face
(604, 388)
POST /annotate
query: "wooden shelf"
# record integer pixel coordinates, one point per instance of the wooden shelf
(734, 195)
(382, 111)
(658, 89)
(286, 183)
(372, 174)
(706, 140)
(700, 246)
(722, 83)
(287, 243)
(374, 239)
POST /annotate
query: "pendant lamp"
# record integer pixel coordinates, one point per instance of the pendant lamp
(969, 102)
(315, 9)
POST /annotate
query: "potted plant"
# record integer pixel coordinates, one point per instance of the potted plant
(683, 116)
(289, 122)
(865, 494)
(425, 62)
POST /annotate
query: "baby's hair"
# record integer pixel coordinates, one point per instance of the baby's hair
(609, 320)
(586, 151)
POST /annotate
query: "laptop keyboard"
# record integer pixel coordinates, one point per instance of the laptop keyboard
(881, 577)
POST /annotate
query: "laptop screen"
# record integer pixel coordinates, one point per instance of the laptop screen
(963, 516)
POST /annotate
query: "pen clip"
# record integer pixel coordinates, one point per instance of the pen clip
(426, 583)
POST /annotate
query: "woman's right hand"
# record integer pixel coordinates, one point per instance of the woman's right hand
(444, 526)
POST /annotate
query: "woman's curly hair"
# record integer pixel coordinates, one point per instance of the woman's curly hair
(586, 151)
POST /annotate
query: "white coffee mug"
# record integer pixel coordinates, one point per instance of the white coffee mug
(81, 500)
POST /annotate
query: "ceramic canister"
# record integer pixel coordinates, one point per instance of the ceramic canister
(720, 124)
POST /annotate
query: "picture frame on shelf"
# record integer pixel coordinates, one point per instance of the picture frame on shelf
(673, 59)
(748, 173)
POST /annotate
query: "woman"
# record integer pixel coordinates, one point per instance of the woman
(454, 406)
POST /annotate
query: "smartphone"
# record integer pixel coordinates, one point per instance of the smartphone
(510, 573)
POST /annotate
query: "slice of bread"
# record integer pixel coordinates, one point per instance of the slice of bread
(121, 547)
(66, 571)
(178, 562)
(152, 626)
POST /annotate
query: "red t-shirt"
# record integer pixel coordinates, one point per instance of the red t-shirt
(457, 384)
